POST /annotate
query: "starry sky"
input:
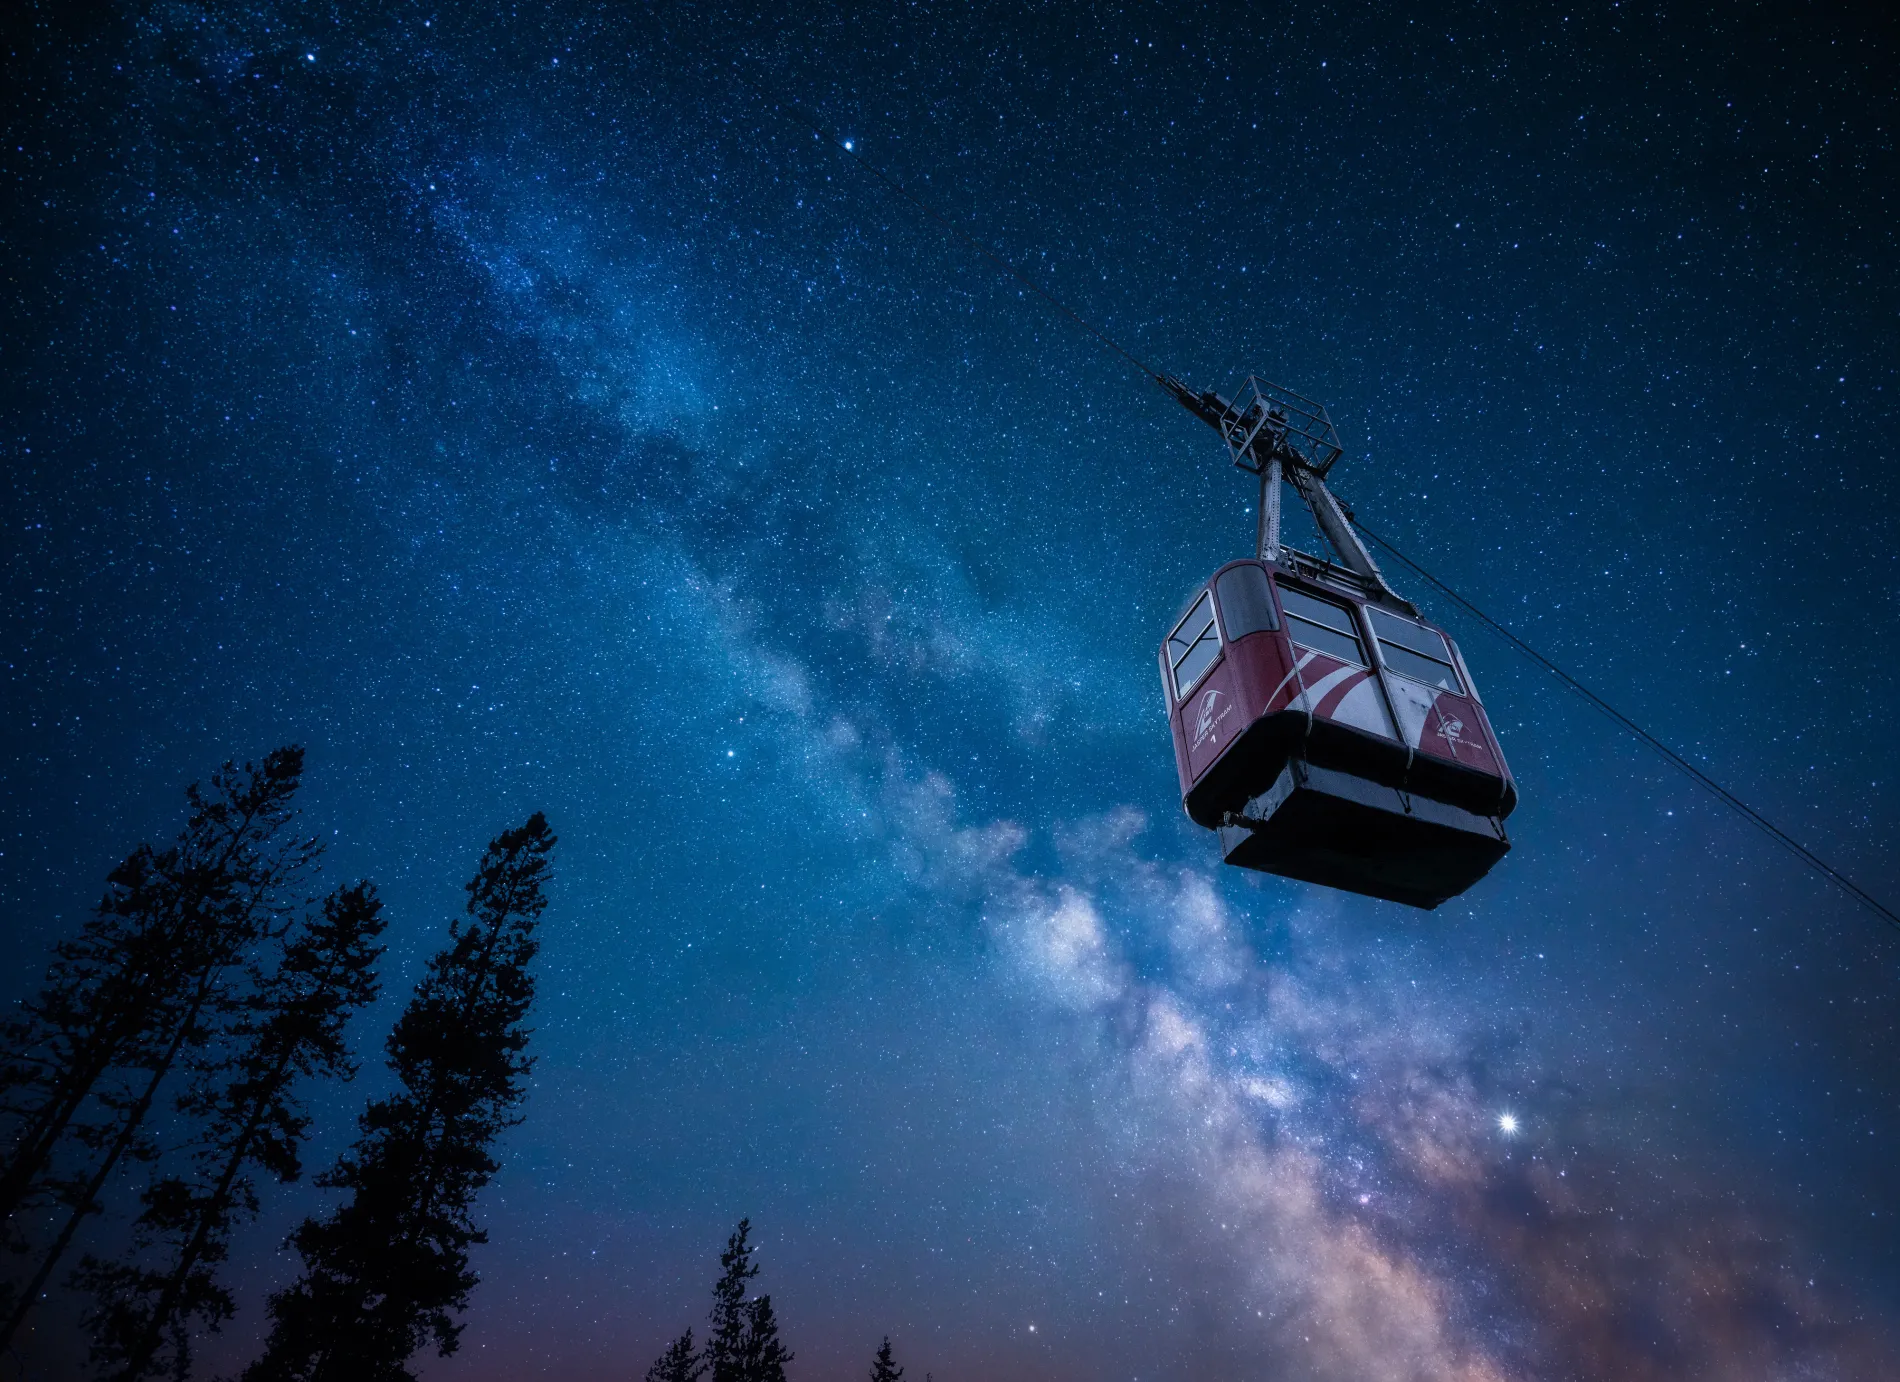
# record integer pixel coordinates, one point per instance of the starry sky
(521, 408)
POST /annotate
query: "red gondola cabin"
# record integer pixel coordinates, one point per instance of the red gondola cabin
(1324, 729)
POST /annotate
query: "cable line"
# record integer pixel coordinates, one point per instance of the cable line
(1669, 755)
(1596, 702)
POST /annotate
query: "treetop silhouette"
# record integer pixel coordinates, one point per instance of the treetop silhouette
(387, 1271)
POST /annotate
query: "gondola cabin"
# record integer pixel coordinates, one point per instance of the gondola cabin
(1321, 726)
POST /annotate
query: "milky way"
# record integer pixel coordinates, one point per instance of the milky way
(530, 413)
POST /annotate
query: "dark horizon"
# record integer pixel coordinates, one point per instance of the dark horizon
(529, 413)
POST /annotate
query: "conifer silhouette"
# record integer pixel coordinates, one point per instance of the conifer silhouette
(882, 1368)
(743, 1345)
(139, 986)
(725, 1341)
(387, 1270)
(762, 1358)
(679, 1363)
(288, 1027)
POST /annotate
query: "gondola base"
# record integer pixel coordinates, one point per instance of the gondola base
(1323, 826)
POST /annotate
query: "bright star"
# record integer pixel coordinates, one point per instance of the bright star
(1507, 1123)
(847, 146)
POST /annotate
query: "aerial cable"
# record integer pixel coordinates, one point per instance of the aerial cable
(1669, 755)
(1596, 702)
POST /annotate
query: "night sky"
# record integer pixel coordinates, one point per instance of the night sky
(524, 410)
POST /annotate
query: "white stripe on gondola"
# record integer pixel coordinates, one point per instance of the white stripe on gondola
(1298, 667)
(1316, 693)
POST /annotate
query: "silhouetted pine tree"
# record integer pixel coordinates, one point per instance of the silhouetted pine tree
(762, 1358)
(138, 987)
(744, 1344)
(388, 1270)
(882, 1368)
(726, 1339)
(679, 1363)
(287, 1027)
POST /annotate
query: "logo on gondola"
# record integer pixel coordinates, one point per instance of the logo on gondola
(1453, 728)
(1205, 718)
